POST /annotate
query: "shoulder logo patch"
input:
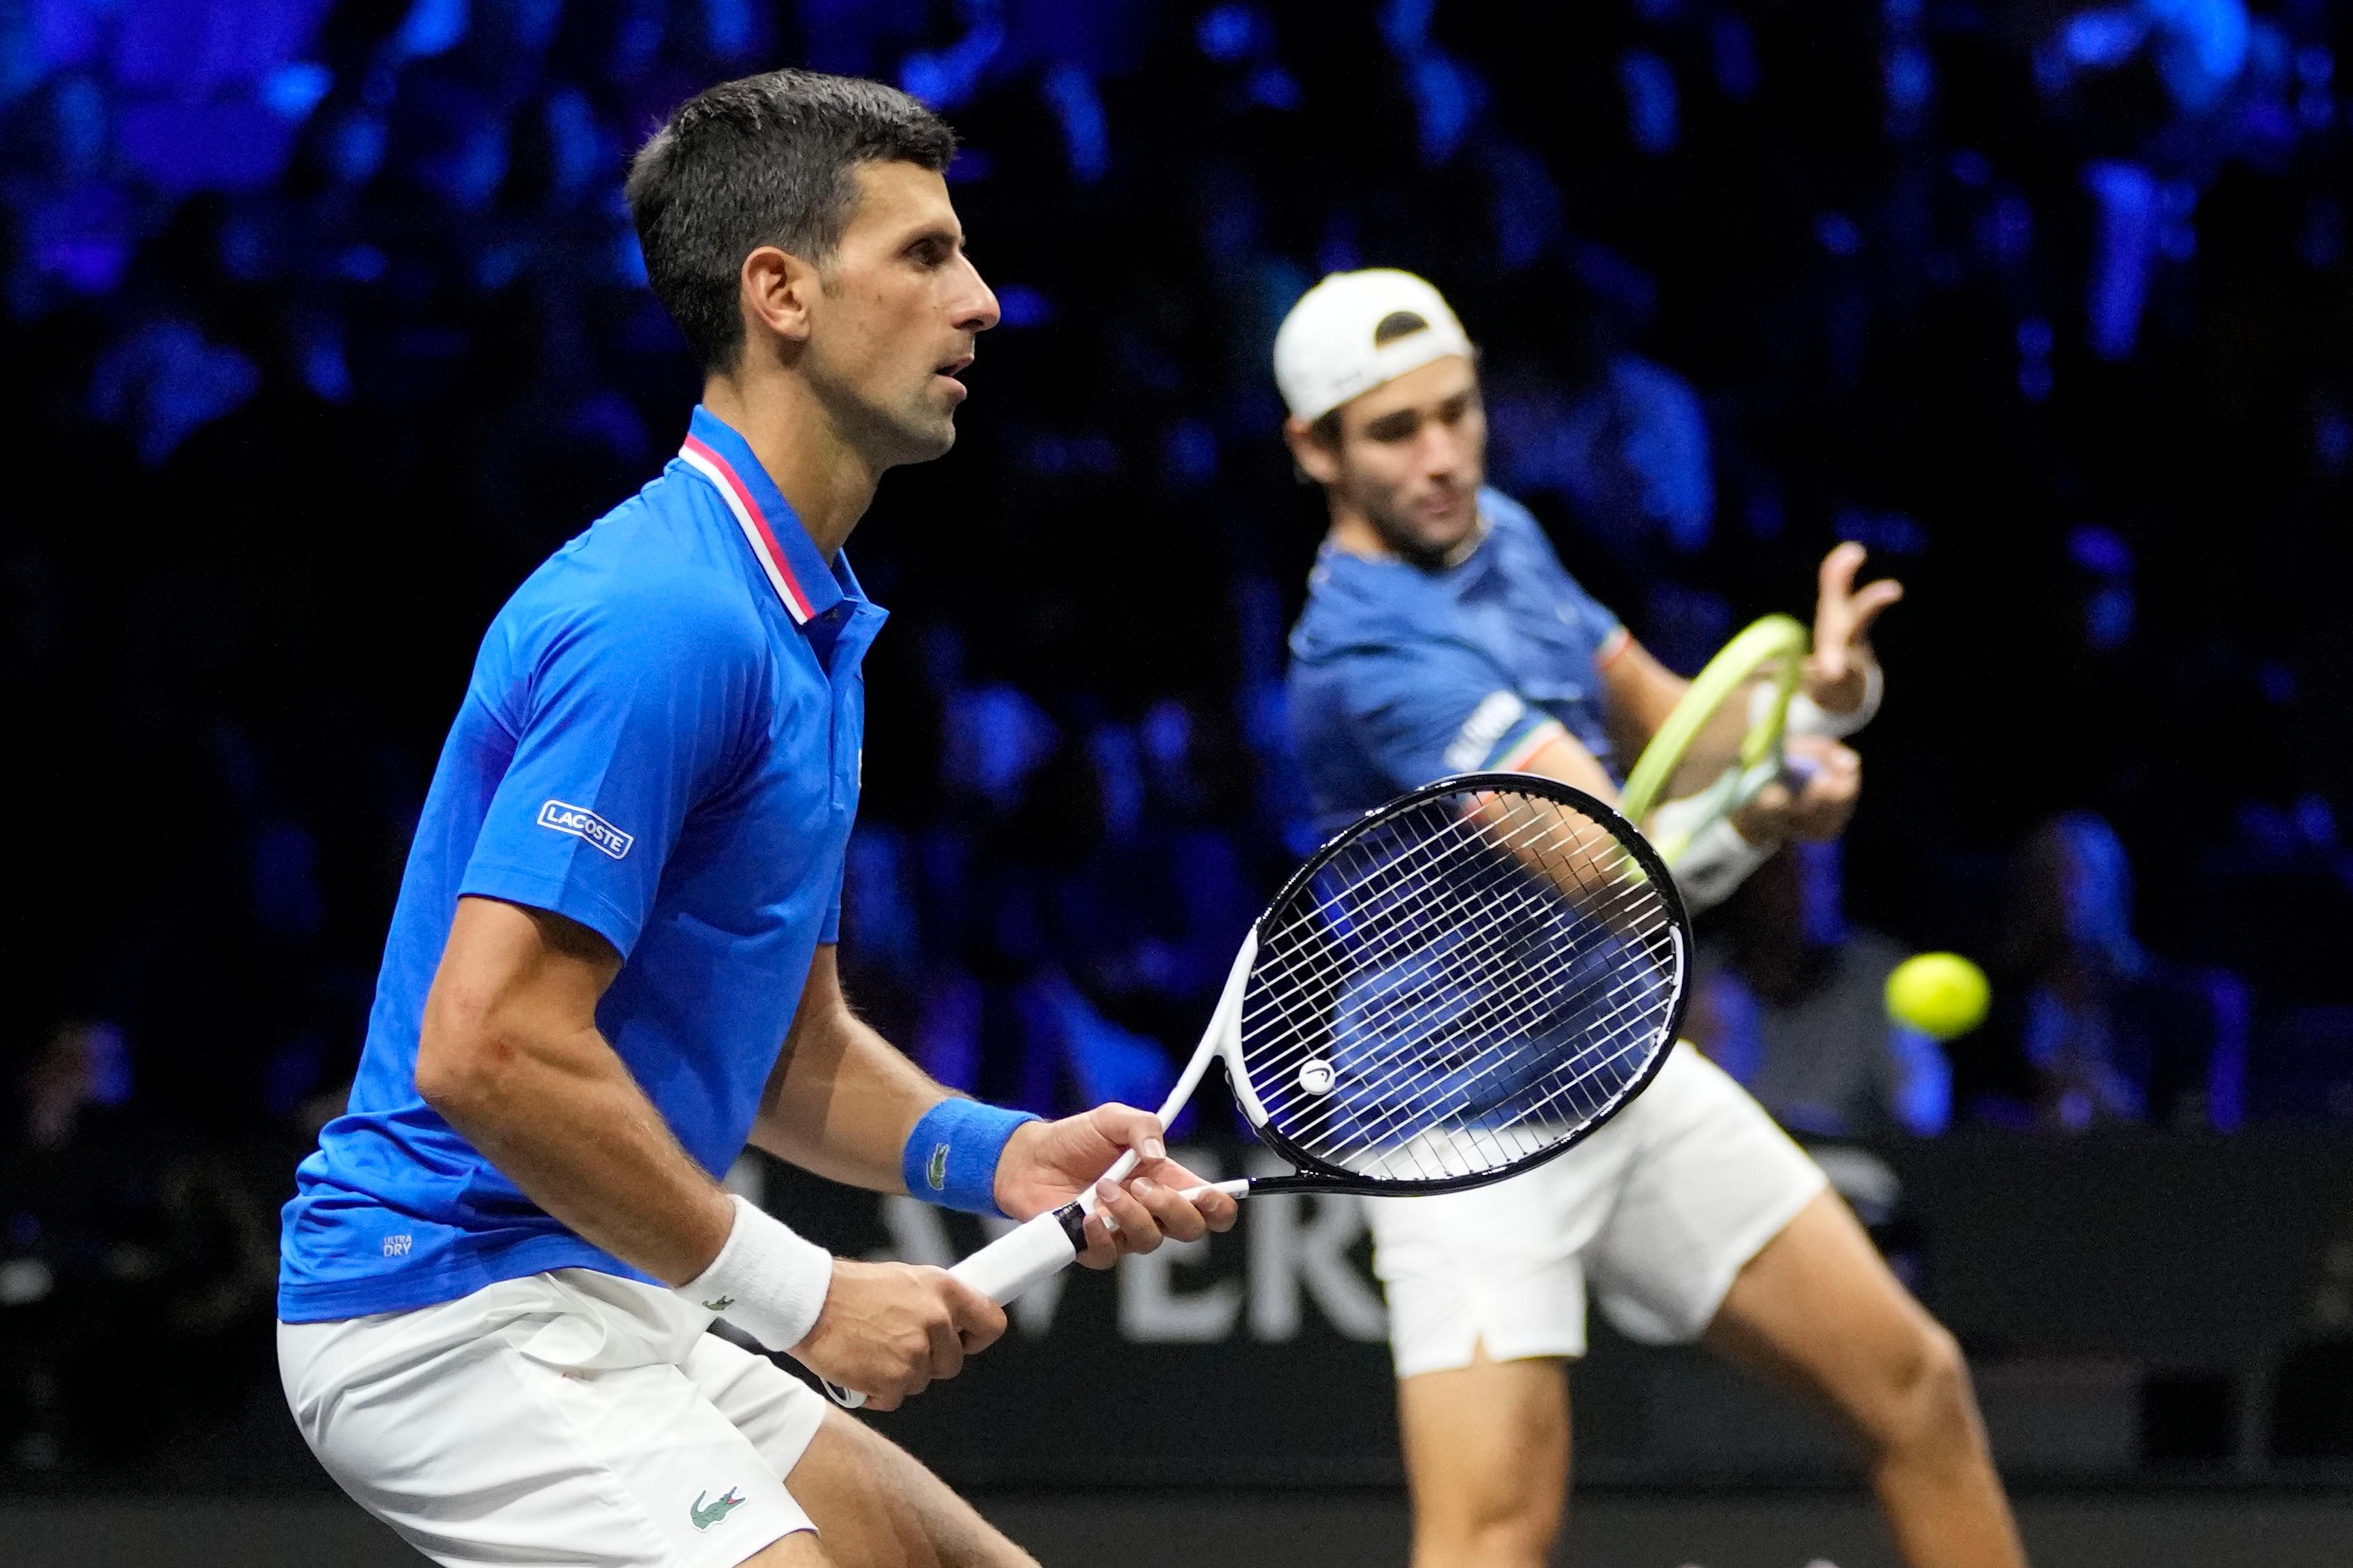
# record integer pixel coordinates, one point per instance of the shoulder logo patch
(704, 1517)
(581, 823)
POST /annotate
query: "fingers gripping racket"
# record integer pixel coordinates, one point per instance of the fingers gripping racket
(1465, 982)
(1721, 745)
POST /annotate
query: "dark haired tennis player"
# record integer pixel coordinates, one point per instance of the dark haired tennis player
(612, 962)
(1441, 635)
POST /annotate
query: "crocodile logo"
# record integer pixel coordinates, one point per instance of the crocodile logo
(704, 1518)
(936, 1170)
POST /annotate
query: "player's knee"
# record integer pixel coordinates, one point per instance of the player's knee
(1925, 1402)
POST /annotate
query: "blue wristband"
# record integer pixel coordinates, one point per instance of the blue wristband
(950, 1157)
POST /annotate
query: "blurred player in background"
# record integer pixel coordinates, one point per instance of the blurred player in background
(613, 958)
(1442, 636)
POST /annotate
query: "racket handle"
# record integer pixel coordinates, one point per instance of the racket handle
(1239, 1188)
(1034, 1250)
(1031, 1252)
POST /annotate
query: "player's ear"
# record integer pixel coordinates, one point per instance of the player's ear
(777, 291)
(1317, 457)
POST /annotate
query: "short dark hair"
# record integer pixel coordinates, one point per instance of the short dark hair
(767, 160)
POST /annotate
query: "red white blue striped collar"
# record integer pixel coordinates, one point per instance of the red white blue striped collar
(800, 574)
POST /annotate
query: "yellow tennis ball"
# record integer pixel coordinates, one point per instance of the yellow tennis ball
(1942, 994)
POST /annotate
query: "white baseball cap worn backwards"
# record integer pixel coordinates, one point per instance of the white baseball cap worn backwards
(1355, 331)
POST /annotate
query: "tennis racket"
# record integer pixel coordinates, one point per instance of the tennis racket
(1722, 743)
(1461, 984)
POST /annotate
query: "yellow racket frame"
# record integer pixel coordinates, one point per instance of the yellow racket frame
(1781, 638)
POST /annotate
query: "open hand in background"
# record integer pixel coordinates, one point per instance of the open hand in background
(1837, 670)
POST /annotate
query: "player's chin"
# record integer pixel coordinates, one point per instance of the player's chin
(1441, 539)
(925, 434)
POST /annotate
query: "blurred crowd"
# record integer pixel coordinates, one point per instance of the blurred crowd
(324, 323)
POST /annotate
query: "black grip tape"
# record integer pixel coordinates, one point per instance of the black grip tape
(1073, 1218)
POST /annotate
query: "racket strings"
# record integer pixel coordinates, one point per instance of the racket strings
(1311, 956)
(1402, 1072)
(1430, 999)
(1469, 1101)
(1464, 1105)
(1338, 907)
(1286, 999)
(1488, 981)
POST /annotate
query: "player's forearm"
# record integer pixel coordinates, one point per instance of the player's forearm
(844, 1101)
(1638, 693)
(560, 1115)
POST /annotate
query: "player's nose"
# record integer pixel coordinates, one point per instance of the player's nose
(976, 306)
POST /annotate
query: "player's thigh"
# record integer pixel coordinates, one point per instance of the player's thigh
(1487, 1456)
(803, 1550)
(1819, 1311)
(872, 1502)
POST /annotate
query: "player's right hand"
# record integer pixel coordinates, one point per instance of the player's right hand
(890, 1330)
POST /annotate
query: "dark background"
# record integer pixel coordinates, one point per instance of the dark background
(323, 324)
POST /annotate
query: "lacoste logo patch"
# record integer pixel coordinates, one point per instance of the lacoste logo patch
(935, 1170)
(704, 1518)
(581, 823)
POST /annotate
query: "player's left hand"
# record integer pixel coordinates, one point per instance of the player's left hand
(1840, 665)
(1048, 1164)
(1814, 797)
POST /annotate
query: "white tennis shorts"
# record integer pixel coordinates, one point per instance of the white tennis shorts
(1658, 1211)
(571, 1417)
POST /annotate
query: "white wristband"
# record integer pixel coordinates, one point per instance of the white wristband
(768, 1280)
(1808, 717)
(1717, 860)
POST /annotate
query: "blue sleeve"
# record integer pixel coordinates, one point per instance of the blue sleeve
(830, 931)
(625, 713)
(1597, 620)
(1423, 711)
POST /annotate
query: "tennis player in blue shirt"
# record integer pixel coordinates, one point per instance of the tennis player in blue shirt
(1441, 635)
(612, 962)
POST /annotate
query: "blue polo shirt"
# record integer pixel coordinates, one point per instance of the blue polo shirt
(1401, 676)
(661, 740)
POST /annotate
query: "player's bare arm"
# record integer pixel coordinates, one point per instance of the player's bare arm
(511, 1058)
(1639, 692)
(1840, 678)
